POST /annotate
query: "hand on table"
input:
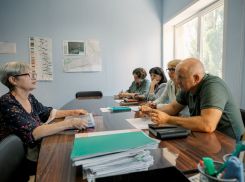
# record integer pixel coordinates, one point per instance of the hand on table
(159, 116)
(80, 112)
(79, 123)
(146, 110)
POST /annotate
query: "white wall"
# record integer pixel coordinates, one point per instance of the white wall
(129, 32)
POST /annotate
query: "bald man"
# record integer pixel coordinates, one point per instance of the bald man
(211, 103)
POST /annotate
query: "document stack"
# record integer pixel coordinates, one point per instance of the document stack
(112, 153)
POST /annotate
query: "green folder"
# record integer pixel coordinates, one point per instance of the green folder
(92, 146)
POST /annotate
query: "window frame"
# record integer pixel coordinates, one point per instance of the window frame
(199, 16)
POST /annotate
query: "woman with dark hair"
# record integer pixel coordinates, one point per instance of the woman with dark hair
(158, 84)
(140, 85)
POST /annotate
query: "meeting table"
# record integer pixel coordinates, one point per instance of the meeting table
(54, 163)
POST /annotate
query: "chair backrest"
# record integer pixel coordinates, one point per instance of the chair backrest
(243, 115)
(89, 94)
(13, 164)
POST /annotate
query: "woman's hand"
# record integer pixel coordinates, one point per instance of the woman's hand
(149, 103)
(146, 110)
(80, 112)
(79, 123)
(136, 96)
(122, 95)
(154, 82)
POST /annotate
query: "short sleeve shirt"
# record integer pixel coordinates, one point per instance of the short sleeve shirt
(212, 92)
(140, 90)
(14, 119)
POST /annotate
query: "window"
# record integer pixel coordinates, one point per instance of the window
(201, 36)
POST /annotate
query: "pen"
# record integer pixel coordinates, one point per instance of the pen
(239, 147)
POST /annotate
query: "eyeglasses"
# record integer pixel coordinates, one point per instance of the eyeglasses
(32, 75)
(171, 70)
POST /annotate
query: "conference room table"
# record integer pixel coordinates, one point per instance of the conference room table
(54, 163)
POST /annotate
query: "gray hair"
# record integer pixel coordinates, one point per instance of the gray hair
(11, 69)
(174, 62)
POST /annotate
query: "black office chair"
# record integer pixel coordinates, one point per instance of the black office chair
(13, 164)
(87, 94)
(243, 115)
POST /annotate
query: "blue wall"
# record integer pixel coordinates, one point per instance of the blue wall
(233, 38)
(129, 32)
(173, 7)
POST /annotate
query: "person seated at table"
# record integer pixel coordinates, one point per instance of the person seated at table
(211, 103)
(139, 86)
(21, 113)
(158, 84)
(169, 94)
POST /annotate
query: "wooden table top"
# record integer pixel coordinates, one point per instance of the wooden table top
(54, 162)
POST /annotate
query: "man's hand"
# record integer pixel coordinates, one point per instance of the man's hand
(80, 112)
(159, 116)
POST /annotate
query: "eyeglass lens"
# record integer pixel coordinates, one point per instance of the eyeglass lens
(171, 69)
(33, 74)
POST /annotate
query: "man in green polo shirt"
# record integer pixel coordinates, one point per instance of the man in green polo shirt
(211, 103)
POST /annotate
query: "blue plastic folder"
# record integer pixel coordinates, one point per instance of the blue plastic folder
(117, 109)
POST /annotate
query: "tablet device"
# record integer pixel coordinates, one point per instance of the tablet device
(162, 125)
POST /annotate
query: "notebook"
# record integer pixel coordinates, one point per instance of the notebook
(123, 103)
(118, 109)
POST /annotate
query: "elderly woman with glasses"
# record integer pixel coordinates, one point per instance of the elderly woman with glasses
(21, 113)
(169, 94)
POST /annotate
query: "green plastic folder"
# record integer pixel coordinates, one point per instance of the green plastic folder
(120, 108)
(91, 146)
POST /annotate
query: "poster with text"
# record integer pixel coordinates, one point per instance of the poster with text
(41, 57)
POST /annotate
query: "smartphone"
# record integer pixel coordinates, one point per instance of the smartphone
(162, 125)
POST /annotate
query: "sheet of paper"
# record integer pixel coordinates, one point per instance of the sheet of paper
(92, 61)
(140, 123)
(195, 178)
(105, 109)
(118, 101)
(135, 108)
(7, 48)
(73, 47)
(41, 57)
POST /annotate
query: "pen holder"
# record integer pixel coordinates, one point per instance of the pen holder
(227, 156)
(204, 177)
